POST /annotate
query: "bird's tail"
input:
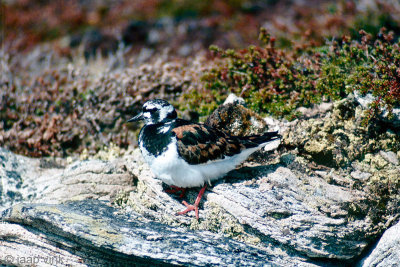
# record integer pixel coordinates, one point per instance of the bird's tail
(256, 140)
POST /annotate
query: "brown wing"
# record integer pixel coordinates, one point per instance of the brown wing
(198, 143)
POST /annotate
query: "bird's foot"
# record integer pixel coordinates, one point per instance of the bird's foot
(174, 189)
(190, 208)
(194, 207)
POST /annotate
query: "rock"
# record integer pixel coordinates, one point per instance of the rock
(345, 109)
(376, 161)
(287, 159)
(274, 124)
(27, 179)
(390, 157)
(31, 249)
(24, 179)
(94, 179)
(233, 99)
(358, 175)
(271, 213)
(92, 233)
(236, 120)
(364, 101)
(302, 214)
(315, 110)
(387, 251)
(338, 138)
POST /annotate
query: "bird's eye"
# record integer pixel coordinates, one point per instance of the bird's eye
(151, 110)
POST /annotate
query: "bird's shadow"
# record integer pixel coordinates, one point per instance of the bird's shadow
(247, 173)
(239, 175)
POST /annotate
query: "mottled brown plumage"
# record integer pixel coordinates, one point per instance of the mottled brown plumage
(199, 143)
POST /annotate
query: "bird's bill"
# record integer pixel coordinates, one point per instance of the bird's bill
(138, 117)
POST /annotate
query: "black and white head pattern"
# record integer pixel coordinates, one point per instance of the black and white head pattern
(158, 110)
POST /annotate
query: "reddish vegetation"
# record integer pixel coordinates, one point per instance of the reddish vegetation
(278, 81)
(56, 100)
(28, 23)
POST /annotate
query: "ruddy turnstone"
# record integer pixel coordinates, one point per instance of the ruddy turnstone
(184, 154)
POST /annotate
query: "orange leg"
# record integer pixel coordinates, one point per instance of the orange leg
(194, 207)
(174, 189)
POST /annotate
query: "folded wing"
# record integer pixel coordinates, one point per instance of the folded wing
(199, 143)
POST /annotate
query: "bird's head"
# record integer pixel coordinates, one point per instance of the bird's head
(156, 111)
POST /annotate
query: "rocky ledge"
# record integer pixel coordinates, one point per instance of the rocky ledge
(312, 202)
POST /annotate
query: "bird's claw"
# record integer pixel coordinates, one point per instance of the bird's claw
(190, 208)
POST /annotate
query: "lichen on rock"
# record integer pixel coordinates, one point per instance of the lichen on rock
(339, 137)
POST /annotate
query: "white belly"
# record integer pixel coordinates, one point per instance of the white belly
(173, 170)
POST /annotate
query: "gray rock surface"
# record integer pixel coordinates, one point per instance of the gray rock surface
(233, 99)
(270, 213)
(103, 235)
(302, 213)
(48, 181)
(91, 179)
(390, 157)
(24, 179)
(316, 110)
(275, 209)
(358, 175)
(387, 251)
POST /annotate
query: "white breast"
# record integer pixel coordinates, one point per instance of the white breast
(173, 170)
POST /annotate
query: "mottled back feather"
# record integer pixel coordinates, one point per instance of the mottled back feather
(199, 143)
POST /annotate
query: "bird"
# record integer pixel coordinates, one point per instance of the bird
(185, 154)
